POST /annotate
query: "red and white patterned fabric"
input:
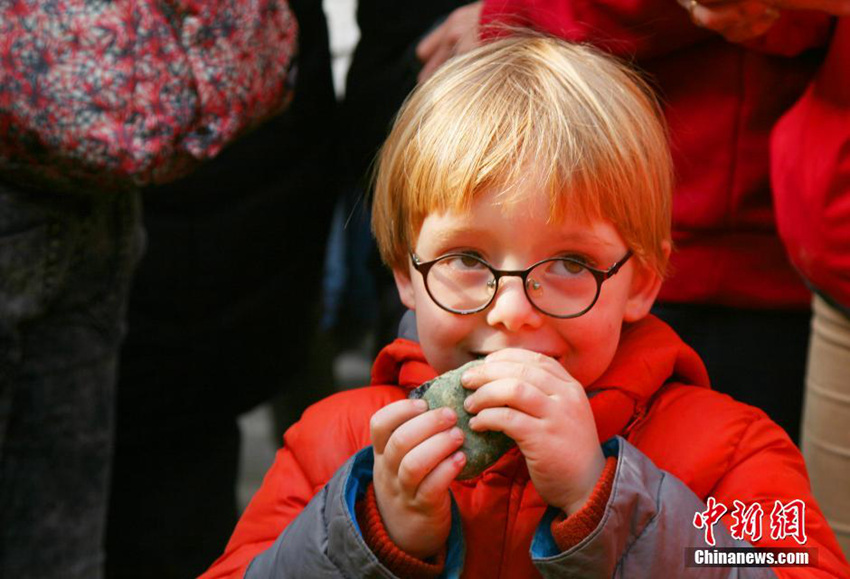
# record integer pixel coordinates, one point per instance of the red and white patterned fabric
(130, 92)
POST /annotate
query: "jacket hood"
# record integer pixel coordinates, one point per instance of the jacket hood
(649, 356)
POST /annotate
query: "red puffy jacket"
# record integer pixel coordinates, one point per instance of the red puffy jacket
(721, 101)
(654, 394)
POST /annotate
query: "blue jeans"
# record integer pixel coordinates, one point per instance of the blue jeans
(65, 267)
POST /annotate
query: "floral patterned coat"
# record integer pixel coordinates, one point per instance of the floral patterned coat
(131, 92)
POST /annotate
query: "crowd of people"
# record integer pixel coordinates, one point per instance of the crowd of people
(669, 181)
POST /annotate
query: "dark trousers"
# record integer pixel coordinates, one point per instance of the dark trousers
(756, 356)
(65, 268)
(221, 315)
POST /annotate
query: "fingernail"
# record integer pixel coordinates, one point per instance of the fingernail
(467, 403)
(448, 414)
(472, 422)
(420, 404)
(459, 458)
(456, 433)
(466, 378)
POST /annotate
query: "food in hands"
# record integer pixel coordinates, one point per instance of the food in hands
(481, 448)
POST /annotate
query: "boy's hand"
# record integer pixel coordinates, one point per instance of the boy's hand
(416, 459)
(533, 399)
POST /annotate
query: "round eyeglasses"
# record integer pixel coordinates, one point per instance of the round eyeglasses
(561, 287)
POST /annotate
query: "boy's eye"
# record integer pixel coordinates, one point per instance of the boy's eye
(566, 267)
(469, 261)
(462, 261)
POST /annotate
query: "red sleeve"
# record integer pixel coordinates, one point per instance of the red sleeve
(569, 531)
(393, 558)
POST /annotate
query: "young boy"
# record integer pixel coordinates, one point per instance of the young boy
(523, 203)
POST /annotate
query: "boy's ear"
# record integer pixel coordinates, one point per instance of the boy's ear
(646, 284)
(404, 284)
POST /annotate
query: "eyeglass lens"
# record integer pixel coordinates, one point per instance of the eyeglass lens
(560, 287)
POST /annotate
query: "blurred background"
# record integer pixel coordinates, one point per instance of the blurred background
(352, 366)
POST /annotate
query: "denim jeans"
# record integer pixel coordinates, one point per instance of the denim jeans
(65, 267)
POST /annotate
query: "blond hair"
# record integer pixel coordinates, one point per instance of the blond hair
(528, 111)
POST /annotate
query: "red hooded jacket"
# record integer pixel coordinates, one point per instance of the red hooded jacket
(655, 394)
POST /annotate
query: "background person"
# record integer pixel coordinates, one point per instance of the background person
(810, 170)
(220, 314)
(96, 101)
(732, 293)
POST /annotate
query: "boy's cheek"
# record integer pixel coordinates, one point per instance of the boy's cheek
(444, 343)
(592, 356)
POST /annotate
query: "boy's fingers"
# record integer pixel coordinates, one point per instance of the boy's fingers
(514, 423)
(435, 485)
(549, 378)
(491, 371)
(386, 420)
(522, 356)
(413, 432)
(511, 392)
(424, 458)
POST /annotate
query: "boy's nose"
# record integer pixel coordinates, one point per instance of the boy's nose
(511, 308)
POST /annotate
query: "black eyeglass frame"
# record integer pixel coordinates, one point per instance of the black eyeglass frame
(600, 275)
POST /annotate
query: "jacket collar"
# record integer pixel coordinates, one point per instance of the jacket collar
(649, 355)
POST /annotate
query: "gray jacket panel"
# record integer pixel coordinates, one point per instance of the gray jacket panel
(647, 525)
(325, 541)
